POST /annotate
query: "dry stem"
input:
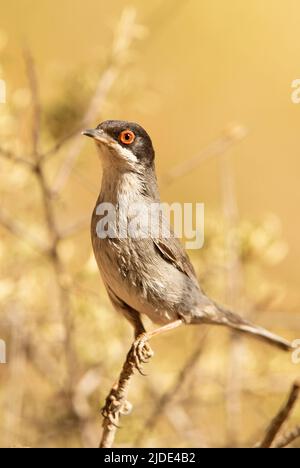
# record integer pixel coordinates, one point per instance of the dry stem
(116, 402)
(279, 420)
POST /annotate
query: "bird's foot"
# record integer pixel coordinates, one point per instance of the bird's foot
(115, 406)
(141, 352)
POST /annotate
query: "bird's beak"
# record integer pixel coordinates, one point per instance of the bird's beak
(98, 135)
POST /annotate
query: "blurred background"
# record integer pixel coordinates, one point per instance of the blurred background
(211, 82)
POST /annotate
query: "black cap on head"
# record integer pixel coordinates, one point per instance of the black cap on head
(131, 136)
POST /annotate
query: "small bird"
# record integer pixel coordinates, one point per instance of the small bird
(150, 275)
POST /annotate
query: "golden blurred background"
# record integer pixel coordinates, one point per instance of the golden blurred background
(211, 82)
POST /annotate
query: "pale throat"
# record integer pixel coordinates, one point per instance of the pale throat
(121, 188)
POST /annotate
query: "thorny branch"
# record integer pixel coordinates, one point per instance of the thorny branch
(283, 415)
(116, 402)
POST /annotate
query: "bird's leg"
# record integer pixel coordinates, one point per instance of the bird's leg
(141, 350)
(140, 353)
(116, 403)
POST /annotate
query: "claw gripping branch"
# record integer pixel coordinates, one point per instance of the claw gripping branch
(116, 403)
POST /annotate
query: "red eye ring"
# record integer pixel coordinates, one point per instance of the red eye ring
(127, 137)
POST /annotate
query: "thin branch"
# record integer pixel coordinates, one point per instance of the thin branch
(288, 438)
(49, 212)
(60, 144)
(10, 156)
(283, 415)
(48, 209)
(19, 231)
(215, 148)
(59, 271)
(33, 84)
(116, 402)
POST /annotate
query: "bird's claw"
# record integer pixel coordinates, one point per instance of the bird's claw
(141, 352)
(115, 406)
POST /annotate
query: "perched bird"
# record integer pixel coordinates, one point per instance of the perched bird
(149, 275)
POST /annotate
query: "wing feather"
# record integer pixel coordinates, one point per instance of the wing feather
(172, 251)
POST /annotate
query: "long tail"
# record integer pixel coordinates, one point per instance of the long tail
(229, 319)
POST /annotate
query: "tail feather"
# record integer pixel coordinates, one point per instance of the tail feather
(227, 318)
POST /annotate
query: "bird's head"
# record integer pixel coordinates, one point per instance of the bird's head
(124, 145)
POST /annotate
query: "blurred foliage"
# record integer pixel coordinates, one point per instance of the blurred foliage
(60, 367)
(64, 114)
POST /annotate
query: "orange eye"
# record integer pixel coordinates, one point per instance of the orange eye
(127, 137)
